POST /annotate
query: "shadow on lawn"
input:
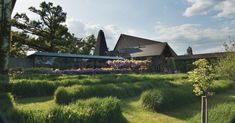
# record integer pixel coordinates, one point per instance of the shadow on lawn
(33, 100)
(188, 111)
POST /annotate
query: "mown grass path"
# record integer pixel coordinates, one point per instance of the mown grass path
(134, 112)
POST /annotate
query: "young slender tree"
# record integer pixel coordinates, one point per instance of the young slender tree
(202, 76)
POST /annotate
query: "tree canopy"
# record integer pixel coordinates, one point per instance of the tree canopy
(226, 64)
(202, 77)
(47, 33)
(189, 51)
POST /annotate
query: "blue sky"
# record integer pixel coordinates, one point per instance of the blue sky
(202, 24)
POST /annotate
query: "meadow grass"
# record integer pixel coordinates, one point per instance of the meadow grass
(221, 103)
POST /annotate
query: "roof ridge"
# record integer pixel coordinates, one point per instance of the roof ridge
(141, 38)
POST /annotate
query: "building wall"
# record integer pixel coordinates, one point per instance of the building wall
(158, 63)
(20, 62)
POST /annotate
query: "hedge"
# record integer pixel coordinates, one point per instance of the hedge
(33, 89)
(65, 95)
(95, 110)
(166, 98)
(222, 113)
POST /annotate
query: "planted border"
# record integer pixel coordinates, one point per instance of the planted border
(65, 95)
(94, 110)
(166, 98)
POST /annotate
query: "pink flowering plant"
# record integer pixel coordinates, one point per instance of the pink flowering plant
(129, 64)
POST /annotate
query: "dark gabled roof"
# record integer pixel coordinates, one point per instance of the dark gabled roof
(13, 3)
(147, 50)
(68, 55)
(139, 47)
(131, 41)
(200, 56)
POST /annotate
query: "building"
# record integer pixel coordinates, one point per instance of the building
(61, 60)
(132, 47)
(101, 48)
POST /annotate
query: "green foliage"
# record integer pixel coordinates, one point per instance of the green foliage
(88, 45)
(97, 110)
(65, 95)
(202, 77)
(49, 33)
(221, 85)
(167, 98)
(6, 102)
(170, 62)
(6, 105)
(93, 110)
(222, 113)
(226, 64)
(35, 70)
(32, 89)
(184, 65)
(17, 47)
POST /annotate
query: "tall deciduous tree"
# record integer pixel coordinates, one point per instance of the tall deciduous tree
(202, 76)
(49, 33)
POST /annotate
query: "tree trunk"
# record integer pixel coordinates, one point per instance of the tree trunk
(5, 31)
(204, 110)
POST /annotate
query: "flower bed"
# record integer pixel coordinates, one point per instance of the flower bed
(72, 71)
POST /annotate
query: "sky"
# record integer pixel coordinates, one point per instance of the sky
(202, 24)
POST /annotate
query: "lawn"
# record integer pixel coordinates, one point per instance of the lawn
(130, 101)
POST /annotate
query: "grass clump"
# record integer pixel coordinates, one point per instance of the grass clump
(32, 89)
(65, 95)
(92, 110)
(165, 98)
(105, 110)
(222, 113)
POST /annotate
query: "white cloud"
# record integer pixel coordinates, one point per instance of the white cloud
(226, 8)
(203, 39)
(82, 29)
(192, 32)
(221, 8)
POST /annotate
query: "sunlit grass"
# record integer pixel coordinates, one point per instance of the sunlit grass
(131, 107)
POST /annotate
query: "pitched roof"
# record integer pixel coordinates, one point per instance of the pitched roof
(13, 3)
(140, 47)
(68, 55)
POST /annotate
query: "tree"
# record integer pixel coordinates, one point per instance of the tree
(226, 63)
(6, 7)
(202, 76)
(189, 51)
(88, 45)
(17, 45)
(49, 33)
